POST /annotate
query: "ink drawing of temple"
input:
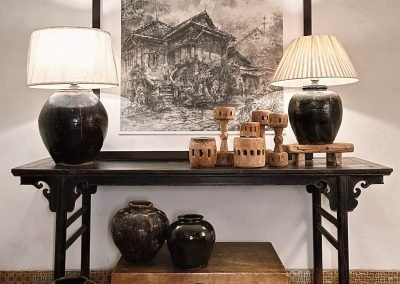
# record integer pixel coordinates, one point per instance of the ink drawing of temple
(193, 65)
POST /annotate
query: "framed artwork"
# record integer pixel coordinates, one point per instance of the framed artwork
(180, 58)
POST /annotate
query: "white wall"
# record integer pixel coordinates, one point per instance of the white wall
(369, 31)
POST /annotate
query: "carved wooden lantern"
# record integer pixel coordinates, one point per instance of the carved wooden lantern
(203, 152)
(250, 129)
(249, 152)
(249, 148)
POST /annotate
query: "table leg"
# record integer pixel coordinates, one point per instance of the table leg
(343, 241)
(317, 237)
(85, 242)
(61, 228)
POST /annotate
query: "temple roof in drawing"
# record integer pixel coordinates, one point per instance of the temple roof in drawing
(255, 33)
(202, 18)
(203, 23)
(158, 30)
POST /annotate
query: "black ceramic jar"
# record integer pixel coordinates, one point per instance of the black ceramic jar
(139, 231)
(190, 241)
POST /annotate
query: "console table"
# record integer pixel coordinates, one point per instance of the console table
(62, 185)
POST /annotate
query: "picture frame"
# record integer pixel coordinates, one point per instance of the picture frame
(97, 21)
(307, 15)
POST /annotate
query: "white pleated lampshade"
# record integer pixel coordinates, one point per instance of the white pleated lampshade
(315, 57)
(59, 57)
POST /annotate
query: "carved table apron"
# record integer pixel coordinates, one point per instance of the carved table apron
(62, 185)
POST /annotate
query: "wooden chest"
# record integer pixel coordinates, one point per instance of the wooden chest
(231, 263)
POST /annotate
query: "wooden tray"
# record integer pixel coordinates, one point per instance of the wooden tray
(333, 152)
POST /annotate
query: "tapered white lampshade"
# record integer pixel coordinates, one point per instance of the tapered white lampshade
(315, 57)
(61, 56)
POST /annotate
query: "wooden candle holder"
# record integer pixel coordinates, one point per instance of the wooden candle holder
(249, 152)
(223, 115)
(250, 129)
(262, 117)
(203, 152)
(278, 158)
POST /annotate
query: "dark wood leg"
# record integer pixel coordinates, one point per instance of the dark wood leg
(317, 237)
(85, 242)
(343, 241)
(61, 228)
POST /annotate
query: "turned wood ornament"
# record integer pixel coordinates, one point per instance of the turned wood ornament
(278, 158)
(250, 129)
(249, 152)
(223, 115)
(262, 116)
(203, 152)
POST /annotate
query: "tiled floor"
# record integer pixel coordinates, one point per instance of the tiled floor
(45, 277)
(301, 276)
(356, 277)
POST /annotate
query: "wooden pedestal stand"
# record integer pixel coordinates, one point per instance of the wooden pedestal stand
(278, 158)
(262, 117)
(333, 152)
(223, 115)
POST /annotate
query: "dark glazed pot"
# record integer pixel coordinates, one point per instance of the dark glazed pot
(315, 116)
(190, 241)
(73, 125)
(73, 280)
(139, 231)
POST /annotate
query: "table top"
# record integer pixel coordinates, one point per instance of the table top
(176, 163)
(173, 169)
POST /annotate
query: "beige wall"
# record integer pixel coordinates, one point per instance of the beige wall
(369, 31)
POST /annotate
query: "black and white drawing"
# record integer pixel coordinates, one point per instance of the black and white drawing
(180, 58)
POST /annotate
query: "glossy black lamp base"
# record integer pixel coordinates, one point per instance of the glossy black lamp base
(73, 125)
(73, 280)
(315, 115)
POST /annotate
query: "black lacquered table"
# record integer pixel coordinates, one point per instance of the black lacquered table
(62, 185)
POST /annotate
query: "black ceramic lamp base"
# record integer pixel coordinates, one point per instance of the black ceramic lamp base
(73, 280)
(315, 115)
(73, 125)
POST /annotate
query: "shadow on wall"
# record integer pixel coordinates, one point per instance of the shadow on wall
(371, 36)
(17, 20)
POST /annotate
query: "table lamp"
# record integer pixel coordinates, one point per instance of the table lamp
(73, 61)
(313, 63)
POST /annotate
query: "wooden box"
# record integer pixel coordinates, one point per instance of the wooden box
(231, 263)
